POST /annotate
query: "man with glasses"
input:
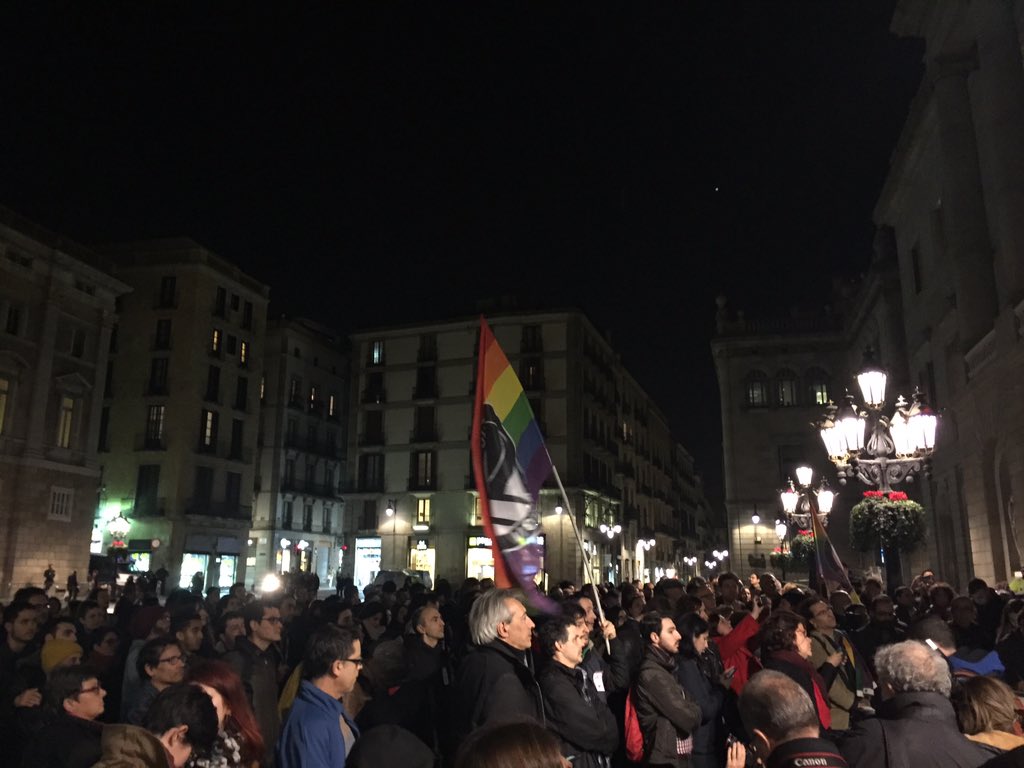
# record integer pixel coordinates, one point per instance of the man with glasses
(319, 732)
(72, 738)
(829, 644)
(255, 658)
(161, 664)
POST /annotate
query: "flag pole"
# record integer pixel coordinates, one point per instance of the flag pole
(586, 558)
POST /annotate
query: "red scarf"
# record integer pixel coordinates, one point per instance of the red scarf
(820, 699)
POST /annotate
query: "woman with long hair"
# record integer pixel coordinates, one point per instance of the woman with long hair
(786, 648)
(710, 695)
(239, 742)
(986, 709)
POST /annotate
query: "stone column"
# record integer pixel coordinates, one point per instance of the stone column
(963, 204)
(997, 88)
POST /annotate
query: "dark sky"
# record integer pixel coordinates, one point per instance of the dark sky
(385, 162)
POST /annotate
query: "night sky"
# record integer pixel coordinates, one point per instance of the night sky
(380, 163)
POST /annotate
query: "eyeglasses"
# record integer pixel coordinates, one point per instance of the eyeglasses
(91, 689)
(357, 662)
(179, 659)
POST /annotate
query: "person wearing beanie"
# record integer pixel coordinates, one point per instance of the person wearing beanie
(148, 623)
(60, 653)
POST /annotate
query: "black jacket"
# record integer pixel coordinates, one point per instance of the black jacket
(578, 716)
(912, 730)
(67, 742)
(802, 752)
(663, 710)
(496, 683)
(258, 670)
(709, 739)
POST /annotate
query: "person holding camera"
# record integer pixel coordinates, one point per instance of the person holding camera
(736, 638)
(830, 645)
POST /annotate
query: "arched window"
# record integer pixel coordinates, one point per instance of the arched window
(785, 388)
(817, 387)
(757, 389)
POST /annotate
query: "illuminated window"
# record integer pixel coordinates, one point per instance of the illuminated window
(817, 387)
(263, 388)
(423, 469)
(330, 405)
(377, 353)
(477, 518)
(757, 390)
(155, 424)
(312, 395)
(215, 341)
(423, 511)
(243, 353)
(65, 421)
(785, 389)
(208, 429)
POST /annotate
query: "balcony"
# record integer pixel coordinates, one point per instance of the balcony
(321, 490)
(148, 442)
(149, 506)
(422, 483)
(206, 508)
(374, 396)
(370, 485)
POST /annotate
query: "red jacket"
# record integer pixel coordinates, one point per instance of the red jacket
(735, 650)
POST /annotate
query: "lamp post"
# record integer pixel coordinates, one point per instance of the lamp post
(756, 520)
(801, 504)
(391, 511)
(898, 446)
(611, 531)
(691, 563)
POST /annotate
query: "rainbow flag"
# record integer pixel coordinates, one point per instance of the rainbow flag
(510, 464)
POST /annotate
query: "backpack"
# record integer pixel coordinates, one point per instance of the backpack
(634, 736)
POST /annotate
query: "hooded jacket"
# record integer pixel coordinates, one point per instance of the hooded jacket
(128, 746)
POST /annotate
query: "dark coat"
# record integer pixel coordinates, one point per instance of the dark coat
(709, 738)
(664, 712)
(912, 730)
(496, 683)
(1012, 759)
(258, 670)
(584, 723)
(66, 742)
(801, 752)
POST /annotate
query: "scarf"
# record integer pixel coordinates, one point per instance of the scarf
(663, 657)
(820, 698)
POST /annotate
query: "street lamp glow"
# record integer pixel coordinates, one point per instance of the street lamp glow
(270, 583)
(755, 519)
(804, 475)
(899, 429)
(872, 380)
(781, 530)
(825, 499)
(790, 498)
(119, 527)
(852, 426)
(558, 509)
(922, 423)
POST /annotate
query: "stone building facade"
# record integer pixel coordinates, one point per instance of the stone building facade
(57, 315)
(302, 443)
(181, 411)
(411, 414)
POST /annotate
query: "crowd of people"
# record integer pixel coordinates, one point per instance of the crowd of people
(711, 674)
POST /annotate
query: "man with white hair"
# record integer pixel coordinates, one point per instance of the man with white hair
(496, 680)
(916, 725)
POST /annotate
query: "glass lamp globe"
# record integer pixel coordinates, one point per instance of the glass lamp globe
(804, 475)
(872, 380)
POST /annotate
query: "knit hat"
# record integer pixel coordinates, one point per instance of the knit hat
(144, 620)
(57, 651)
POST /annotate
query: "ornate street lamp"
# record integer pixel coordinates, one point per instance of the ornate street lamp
(796, 503)
(119, 528)
(611, 530)
(897, 448)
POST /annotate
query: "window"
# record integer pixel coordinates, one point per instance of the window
(371, 471)
(476, 518)
(168, 289)
(531, 374)
(817, 387)
(208, 431)
(241, 393)
(77, 342)
(231, 344)
(216, 340)
(232, 493)
(158, 376)
(235, 302)
(785, 389)
(531, 339)
(263, 388)
(213, 384)
(307, 517)
(147, 483)
(423, 431)
(247, 315)
(289, 471)
(428, 347)
(426, 381)
(377, 353)
(757, 390)
(104, 439)
(423, 469)
(294, 398)
(291, 428)
(329, 479)
(374, 392)
(331, 406)
(288, 514)
(155, 426)
(312, 396)
(237, 426)
(162, 337)
(243, 353)
(326, 519)
(423, 512)
(369, 516)
(13, 324)
(373, 425)
(220, 302)
(204, 488)
(61, 502)
(65, 421)
(5, 393)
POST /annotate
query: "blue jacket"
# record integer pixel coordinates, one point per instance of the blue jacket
(311, 737)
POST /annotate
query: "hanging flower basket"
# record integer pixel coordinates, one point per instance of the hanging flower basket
(887, 521)
(801, 548)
